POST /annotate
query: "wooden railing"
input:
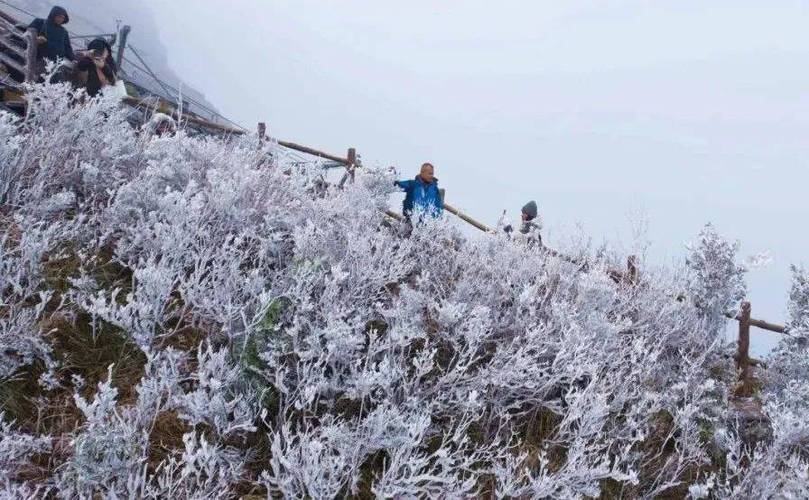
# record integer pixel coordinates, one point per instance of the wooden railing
(160, 106)
(18, 52)
(18, 47)
(744, 362)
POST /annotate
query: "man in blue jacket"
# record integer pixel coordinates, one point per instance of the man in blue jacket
(54, 41)
(422, 193)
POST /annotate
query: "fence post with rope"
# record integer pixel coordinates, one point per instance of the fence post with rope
(31, 55)
(743, 351)
(123, 35)
(351, 156)
(632, 270)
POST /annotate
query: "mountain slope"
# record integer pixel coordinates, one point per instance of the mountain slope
(187, 317)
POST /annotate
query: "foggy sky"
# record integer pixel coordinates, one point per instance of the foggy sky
(686, 111)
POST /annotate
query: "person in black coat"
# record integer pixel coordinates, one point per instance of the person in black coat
(54, 40)
(95, 65)
(100, 44)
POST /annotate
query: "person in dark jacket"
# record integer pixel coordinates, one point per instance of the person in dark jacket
(422, 193)
(102, 44)
(95, 67)
(53, 38)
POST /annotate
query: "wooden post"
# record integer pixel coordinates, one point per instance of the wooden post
(31, 55)
(743, 353)
(632, 270)
(122, 36)
(262, 132)
(352, 162)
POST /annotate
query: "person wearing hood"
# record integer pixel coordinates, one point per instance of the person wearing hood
(422, 193)
(95, 67)
(53, 38)
(100, 44)
(530, 225)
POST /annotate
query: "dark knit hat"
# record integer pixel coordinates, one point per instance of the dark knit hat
(98, 44)
(530, 209)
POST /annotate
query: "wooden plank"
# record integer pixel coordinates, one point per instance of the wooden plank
(9, 19)
(764, 325)
(12, 63)
(9, 25)
(13, 41)
(7, 30)
(479, 225)
(10, 87)
(313, 152)
(135, 102)
(758, 323)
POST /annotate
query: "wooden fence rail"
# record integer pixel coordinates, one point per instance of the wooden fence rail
(630, 276)
(18, 47)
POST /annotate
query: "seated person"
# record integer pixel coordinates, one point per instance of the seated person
(97, 72)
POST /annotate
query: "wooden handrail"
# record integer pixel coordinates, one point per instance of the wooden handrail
(313, 152)
(9, 26)
(469, 220)
(632, 269)
(764, 325)
(12, 63)
(147, 104)
(11, 20)
(759, 323)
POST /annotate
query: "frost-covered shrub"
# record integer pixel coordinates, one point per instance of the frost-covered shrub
(281, 335)
(717, 282)
(201, 471)
(23, 296)
(788, 364)
(216, 399)
(799, 302)
(10, 142)
(109, 447)
(17, 451)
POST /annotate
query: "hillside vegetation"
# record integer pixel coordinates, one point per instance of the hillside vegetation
(192, 317)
